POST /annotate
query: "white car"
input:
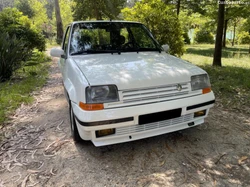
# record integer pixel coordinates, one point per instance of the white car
(121, 85)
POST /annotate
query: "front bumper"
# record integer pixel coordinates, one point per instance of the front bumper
(129, 130)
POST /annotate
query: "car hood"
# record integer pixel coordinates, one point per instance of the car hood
(135, 70)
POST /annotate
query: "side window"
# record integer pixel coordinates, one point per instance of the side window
(66, 39)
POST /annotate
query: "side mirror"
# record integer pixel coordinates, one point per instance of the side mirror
(55, 52)
(165, 47)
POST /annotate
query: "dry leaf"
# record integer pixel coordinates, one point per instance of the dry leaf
(162, 163)
(242, 159)
(169, 148)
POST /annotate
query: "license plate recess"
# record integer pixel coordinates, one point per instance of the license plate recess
(159, 116)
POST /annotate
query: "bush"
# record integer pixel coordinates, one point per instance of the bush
(12, 54)
(162, 22)
(17, 41)
(14, 23)
(204, 36)
(244, 38)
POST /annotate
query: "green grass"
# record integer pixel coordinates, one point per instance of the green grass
(231, 83)
(18, 90)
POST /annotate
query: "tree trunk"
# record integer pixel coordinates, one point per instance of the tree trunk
(234, 34)
(97, 10)
(59, 25)
(178, 7)
(225, 34)
(219, 33)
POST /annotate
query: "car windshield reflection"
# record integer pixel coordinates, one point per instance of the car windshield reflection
(111, 37)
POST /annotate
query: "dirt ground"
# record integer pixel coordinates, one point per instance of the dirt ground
(40, 151)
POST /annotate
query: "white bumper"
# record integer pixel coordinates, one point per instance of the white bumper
(130, 130)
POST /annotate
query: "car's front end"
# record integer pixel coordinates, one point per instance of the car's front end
(152, 112)
(121, 85)
(133, 99)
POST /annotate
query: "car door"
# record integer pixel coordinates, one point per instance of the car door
(65, 46)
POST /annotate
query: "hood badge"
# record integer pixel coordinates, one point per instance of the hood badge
(179, 87)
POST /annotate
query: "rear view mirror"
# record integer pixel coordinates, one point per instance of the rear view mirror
(165, 47)
(55, 52)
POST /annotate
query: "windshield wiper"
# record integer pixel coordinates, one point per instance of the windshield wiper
(90, 51)
(116, 51)
(83, 51)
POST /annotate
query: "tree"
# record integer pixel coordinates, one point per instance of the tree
(161, 20)
(98, 9)
(178, 6)
(246, 29)
(24, 7)
(233, 13)
(59, 25)
(192, 6)
(66, 11)
(40, 17)
(219, 33)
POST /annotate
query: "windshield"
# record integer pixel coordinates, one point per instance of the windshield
(106, 37)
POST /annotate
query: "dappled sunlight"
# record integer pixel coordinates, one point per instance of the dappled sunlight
(235, 181)
(135, 69)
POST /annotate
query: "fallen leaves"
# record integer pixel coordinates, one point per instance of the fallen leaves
(242, 159)
(24, 146)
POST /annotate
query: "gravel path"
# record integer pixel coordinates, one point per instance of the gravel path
(40, 151)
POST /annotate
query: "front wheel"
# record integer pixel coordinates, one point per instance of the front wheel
(74, 131)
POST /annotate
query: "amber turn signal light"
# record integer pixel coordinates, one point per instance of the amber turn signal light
(104, 132)
(91, 107)
(200, 113)
(206, 90)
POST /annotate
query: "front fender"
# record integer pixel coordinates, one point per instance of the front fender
(74, 82)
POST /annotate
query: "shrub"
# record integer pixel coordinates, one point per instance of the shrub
(15, 23)
(17, 41)
(162, 22)
(204, 36)
(244, 38)
(12, 54)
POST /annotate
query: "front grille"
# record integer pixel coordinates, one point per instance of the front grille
(155, 125)
(152, 95)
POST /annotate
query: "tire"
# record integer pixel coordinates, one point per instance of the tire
(74, 131)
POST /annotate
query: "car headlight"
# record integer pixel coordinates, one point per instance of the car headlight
(199, 82)
(101, 94)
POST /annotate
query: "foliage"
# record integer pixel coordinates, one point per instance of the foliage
(24, 7)
(98, 9)
(12, 53)
(161, 20)
(14, 23)
(17, 91)
(204, 36)
(186, 38)
(17, 41)
(40, 17)
(66, 12)
(244, 38)
(191, 6)
(231, 83)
